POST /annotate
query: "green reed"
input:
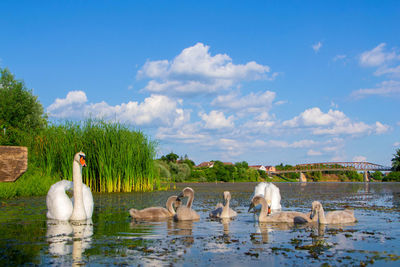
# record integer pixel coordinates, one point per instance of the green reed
(118, 159)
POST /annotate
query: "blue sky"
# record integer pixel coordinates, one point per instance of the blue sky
(258, 81)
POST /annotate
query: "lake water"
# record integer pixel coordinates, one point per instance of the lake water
(28, 238)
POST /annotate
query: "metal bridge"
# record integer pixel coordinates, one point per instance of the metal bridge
(334, 166)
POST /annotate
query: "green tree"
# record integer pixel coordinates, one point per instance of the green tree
(392, 177)
(20, 111)
(377, 175)
(171, 157)
(396, 161)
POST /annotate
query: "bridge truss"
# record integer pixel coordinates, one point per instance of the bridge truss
(335, 166)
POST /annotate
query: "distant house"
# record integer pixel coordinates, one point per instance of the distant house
(210, 164)
(270, 169)
(258, 167)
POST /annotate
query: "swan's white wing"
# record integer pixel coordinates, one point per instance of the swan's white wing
(259, 190)
(273, 194)
(87, 201)
(59, 206)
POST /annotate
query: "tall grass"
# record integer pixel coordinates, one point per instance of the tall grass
(31, 183)
(118, 159)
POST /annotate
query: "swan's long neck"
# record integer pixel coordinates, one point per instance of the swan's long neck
(264, 211)
(169, 203)
(321, 215)
(190, 200)
(225, 209)
(78, 213)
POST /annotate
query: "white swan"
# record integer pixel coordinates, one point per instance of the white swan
(332, 217)
(60, 206)
(271, 194)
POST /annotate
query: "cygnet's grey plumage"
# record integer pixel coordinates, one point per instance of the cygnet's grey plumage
(278, 217)
(332, 217)
(186, 213)
(223, 211)
(156, 213)
(216, 212)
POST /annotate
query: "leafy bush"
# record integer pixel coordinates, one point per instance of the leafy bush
(162, 169)
(179, 171)
(392, 177)
(316, 176)
(377, 175)
(354, 176)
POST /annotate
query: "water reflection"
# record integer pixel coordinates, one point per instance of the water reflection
(265, 231)
(182, 228)
(67, 238)
(225, 222)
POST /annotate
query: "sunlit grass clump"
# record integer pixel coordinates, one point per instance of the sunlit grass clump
(31, 183)
(118, 159)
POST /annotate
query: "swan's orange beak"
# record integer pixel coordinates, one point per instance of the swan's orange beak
(269, 210)
(83, 161)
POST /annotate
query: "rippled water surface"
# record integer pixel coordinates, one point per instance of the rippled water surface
(28, 238)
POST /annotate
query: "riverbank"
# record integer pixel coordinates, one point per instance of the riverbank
(35, 183)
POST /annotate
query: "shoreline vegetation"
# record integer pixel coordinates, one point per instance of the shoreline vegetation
(123, 160)
(175, 169)
(120, 159)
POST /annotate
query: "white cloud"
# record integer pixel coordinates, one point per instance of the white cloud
(385, 88)
(359, 159)
(334, 122)
(396, 144)
(386, 64)
(260, 124)
(316, 47)
(331, 148)
(315, 117)
(377, 56)
(296, 144)
(155, 110)
(390, 71)
(381, 128)
(216, 120)
(313, 153)
(233, 147)
(73, 106)
(187, 133)
(251, 103)
(195, 71)
(339, 57)
(349, 128)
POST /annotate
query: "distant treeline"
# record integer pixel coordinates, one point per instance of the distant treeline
(172, 168)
